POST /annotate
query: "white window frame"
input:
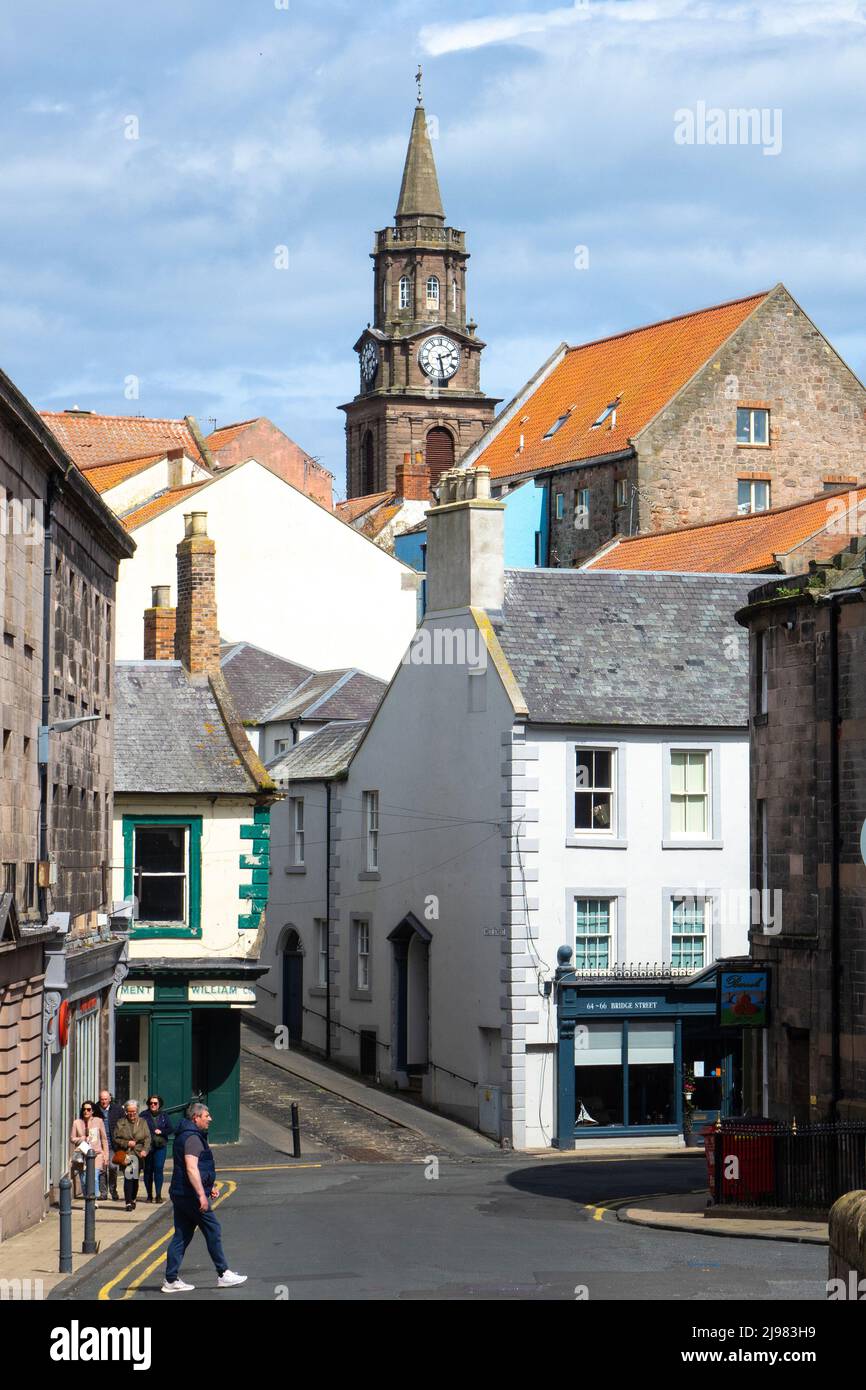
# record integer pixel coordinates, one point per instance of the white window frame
(371, 831)
(615, 836)
(432, 288)
(752, 411)
(559, 506)
(749, 508)
(321, 953)
(712, 839)
(581, 508)
(595, 937)
(405, 292)
(298, 833)
(706, 936)
(621, 492)
(362, 955)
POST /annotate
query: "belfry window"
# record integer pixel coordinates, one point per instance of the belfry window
(432, 291)
(404, 291)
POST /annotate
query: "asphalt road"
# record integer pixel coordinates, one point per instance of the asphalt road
(494, 1228)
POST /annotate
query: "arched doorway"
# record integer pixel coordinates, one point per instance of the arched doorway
(410, 941)
(293, 985)
(440, 452)
(368, 465)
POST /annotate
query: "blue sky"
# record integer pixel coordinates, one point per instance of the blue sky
(266, 124)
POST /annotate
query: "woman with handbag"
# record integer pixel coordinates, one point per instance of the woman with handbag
(160, 1127)
(88, 1131)
(132, 1138)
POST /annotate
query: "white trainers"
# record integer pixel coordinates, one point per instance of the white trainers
(178, 1286)
(228, 1279)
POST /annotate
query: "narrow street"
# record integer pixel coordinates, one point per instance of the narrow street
(364, 1215)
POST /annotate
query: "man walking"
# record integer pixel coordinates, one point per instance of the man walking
(110, 1112)
(192, 1184)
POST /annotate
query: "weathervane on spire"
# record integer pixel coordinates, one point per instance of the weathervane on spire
(418, 76)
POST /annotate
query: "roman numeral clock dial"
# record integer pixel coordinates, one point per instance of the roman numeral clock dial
(439, 357)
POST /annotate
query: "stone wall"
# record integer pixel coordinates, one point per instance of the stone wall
(847, 1255)
(21, 979)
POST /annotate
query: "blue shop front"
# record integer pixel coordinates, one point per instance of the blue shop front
(641, 1053)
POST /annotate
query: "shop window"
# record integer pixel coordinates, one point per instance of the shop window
(598, 1075)
(651, 1074)
(689, 933)
(594, 807)
(593, 933)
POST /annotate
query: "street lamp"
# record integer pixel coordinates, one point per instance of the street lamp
(60, 726)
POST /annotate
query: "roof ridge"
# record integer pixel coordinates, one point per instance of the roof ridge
(675, 318)
(99, 415)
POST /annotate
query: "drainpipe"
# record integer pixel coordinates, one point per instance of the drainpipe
(45, 719)
(328, 920)
(835, 913)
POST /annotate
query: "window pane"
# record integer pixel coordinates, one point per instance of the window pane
(696, 815)
(678, 773)
(743, 428)
(603, 763)
(160, 848)
(678, 815)
(601, 811)
(650, 1043)
(759, 426)
(584, 768)
(696, 771)
(762, 496)
(160, 899)
(583, 811)
(651, 1094)
(599, 1045)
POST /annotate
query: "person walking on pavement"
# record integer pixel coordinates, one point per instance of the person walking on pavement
(160, 1127)
(89, 1131)
(193, 1183)
(132, 1136)
(110, 1112)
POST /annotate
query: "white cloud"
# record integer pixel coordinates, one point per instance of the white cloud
(38, 107)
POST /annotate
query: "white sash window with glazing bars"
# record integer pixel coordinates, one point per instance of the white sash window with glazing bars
(689, 933)
(593, 933)
(690, 794)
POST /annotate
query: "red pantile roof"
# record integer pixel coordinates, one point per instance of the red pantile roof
(372, 525)
(741, 544)
(107, 475)
(357, 506)
(157, 505)
(92, 439)
(641, 369)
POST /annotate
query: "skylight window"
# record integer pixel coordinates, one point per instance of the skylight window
(610, 409)
(557, 425)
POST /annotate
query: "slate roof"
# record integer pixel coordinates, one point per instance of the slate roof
(326, 753)
(169, 734)
(627, 649)
(257, 678)
(92, 439)
(735, 545)
(643, 369)
(327, 695)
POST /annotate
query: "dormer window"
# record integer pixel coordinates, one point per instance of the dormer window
(609, 410)
(432, 292)
(404, 291)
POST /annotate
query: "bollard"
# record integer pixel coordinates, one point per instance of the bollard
(89, 1245)
(296, 1131)
(65, 1187)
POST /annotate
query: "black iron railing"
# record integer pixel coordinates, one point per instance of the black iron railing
(761, 1163)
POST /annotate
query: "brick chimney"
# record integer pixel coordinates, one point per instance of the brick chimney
(159, 625)
(465, 544)
(196, 638)
(413, 479)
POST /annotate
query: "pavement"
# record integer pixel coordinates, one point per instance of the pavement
(34, 1254)
(689, 1212)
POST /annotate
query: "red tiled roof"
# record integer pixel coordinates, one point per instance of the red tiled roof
(737, 545)
(92, 439)
(643, 368)
(354, 507)
(107, 475)
(379, 520)
(157, 505)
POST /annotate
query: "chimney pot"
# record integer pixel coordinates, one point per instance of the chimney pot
(160, 595)
(195, 523)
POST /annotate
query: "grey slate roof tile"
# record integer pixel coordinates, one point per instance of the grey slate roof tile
(169, 735)
(635, 648)
(257, 679)
(324, 754)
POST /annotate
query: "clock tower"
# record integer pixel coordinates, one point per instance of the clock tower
(419, 360)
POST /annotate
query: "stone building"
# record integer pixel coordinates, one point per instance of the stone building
(733, 409)
(60, 548)
(807, 638)
(419, 359)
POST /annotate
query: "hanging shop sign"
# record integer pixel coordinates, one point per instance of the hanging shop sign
(743, 998)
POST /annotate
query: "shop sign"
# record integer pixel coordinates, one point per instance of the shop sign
(87, 1006)
(219, 992)
(135, 992)
(743, 998)
(619, 1004)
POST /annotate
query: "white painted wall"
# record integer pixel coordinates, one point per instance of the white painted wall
(138, 489)
(291, 577)
(221, 875)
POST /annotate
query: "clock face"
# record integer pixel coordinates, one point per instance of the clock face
(369, 361)
(439, 357)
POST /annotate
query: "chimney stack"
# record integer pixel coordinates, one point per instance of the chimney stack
(159, 625)
(413, 479)
(465, 544)
(196, 639)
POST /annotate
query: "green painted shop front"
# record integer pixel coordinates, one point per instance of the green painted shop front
(183, 1049)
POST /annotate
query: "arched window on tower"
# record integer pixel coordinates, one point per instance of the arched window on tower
(432, 292)
(439, 452)
(405, 290)
(368, 465)
(454, 296)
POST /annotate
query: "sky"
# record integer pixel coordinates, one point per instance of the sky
(188, 192)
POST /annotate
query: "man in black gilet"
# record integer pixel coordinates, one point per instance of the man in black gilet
(192, 1182)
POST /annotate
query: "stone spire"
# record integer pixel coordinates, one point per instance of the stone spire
(419, 191)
